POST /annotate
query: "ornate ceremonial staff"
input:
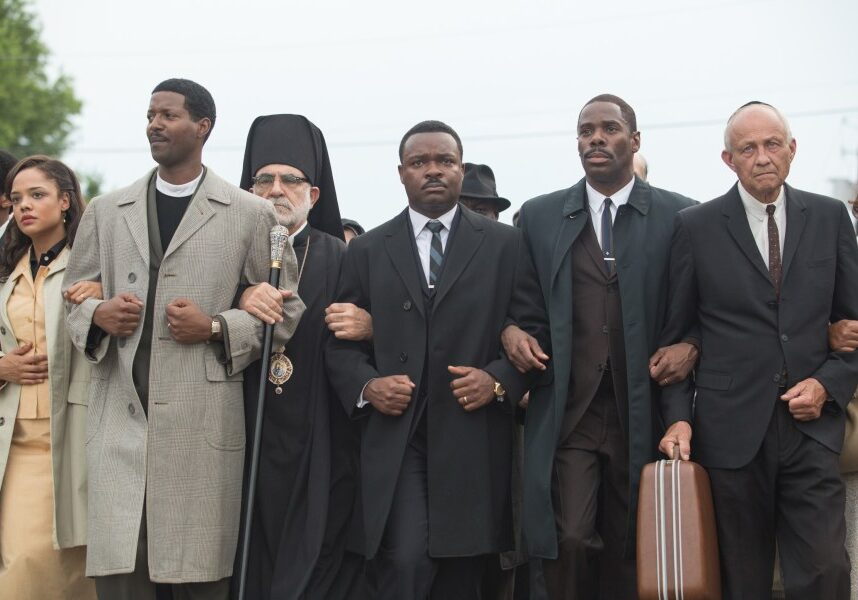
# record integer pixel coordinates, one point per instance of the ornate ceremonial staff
(279, 237)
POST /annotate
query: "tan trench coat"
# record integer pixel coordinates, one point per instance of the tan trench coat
(187, 457)
(68, 374)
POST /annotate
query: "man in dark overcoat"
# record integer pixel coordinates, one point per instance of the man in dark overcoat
(435, 390)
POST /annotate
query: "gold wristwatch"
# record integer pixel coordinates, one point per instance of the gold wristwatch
(499, 391)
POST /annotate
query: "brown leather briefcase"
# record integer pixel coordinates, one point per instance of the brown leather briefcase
(677, 545)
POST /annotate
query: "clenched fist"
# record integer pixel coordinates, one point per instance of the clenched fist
(390, 395)
(120, 315)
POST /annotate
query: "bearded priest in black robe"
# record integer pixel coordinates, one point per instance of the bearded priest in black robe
(308, 454)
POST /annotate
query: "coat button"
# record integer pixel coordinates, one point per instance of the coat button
(772, 304)
(406, 305)
(132, 277)
(3, 330)
(403, 357)
(2, 421)
(777, 378)
(784, 338)
(121, 342)
(131, 408)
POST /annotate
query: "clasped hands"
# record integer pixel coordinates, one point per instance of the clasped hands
(121, 315)
(473, 388)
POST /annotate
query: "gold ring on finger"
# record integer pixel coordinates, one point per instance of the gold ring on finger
(464, 399)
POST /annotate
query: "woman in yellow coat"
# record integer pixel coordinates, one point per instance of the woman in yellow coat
(44, 392)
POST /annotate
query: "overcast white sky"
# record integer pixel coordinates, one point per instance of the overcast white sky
(510, 77)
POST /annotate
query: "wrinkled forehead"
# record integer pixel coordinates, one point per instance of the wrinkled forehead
(278, 169)
(757, 122)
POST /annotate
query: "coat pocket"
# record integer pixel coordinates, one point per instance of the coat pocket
(224, 420)
(713, 380)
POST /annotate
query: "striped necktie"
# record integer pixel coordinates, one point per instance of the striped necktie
(436, 251)
(607, 237)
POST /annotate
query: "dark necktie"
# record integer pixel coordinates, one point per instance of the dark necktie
(607, 237)
(774, 250)
(436, 251)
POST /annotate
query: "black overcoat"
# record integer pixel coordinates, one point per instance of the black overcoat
(642, 233)
(487, 280)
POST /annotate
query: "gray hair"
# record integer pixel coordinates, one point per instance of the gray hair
(735, 114)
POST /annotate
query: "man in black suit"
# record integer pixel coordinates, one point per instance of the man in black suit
(435, 390)
(601, 248)
(763, 270)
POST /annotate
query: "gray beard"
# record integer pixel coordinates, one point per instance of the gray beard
(289, 216)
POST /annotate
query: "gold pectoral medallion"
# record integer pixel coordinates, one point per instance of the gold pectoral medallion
(280, 369)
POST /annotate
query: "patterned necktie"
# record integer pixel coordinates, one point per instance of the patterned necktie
(436, 251)
(774, 250)
(607, 237)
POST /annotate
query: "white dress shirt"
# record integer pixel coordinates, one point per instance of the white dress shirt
(596, 200)
(758, 219)
(423, 236)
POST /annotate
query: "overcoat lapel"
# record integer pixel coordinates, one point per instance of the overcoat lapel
(461, 248)
(737, 225)
(133, 207)
(399, 249)
(630, 229)
(199, 211)
(574, 220)
(795, 219)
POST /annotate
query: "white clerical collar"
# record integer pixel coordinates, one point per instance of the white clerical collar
(181, 190)
(754, 207)
(292, 236)
(418, 221)
(596, 198)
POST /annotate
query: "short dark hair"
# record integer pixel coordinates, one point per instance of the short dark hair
(7, 161)
(198, 101)
(627, 111)
(430, 127)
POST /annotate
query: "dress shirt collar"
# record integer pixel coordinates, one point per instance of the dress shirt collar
(182, 190)
(45, 259)
(596, 199)
(757, 209)
(418, 221)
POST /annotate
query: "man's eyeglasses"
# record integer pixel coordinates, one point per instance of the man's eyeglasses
(266, 180)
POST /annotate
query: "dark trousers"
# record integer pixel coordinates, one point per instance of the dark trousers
(791, 491)
(590, 488)
(402, 569)
(137, 586)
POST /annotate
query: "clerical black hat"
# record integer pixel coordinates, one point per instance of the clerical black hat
(293, 140)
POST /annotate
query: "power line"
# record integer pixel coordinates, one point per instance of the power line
(492, 137)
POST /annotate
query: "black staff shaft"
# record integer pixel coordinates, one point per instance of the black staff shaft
(274, 280)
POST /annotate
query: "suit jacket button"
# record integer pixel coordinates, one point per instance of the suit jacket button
(121, 342)
(777, 378)
(784, 338)
(604, 329)
(406, 305)
(403, 357)
(132, 277)
(131, 408)
(772, 304)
